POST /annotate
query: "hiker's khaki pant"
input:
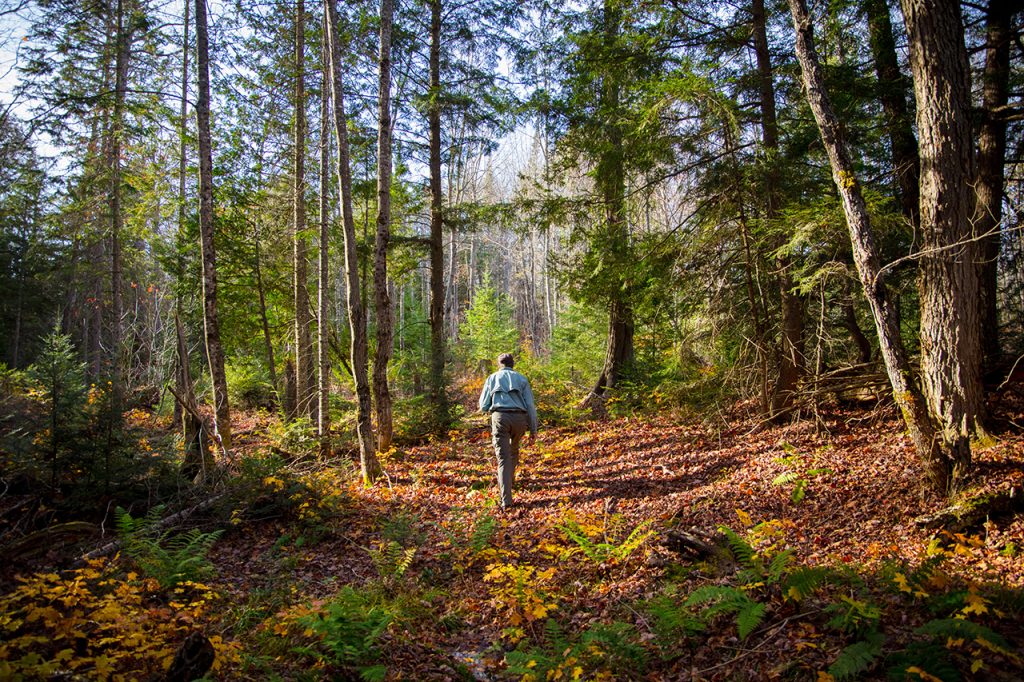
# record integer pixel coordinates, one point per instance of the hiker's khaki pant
(507, 429)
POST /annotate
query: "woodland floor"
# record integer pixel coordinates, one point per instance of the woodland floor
(611, 478)
(476, 587)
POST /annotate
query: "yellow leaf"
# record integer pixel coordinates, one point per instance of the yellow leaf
(975, 603)
(901, 582)
(744, 518)
(976, 665)
(577, 673)
(914, 670)
(825, 677)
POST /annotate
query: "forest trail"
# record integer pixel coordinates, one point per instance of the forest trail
(859, 494)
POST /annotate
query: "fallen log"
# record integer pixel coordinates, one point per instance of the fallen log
(115, 545)
(38, 542)
(974, 512)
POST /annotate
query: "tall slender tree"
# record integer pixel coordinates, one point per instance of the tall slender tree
(369, 464)
(438, 346)
(323, 281)
(208, 253)
(305, 368)
(382, 298)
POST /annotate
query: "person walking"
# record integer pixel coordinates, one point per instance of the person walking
(509, 400)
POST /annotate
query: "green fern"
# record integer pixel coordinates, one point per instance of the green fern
(931, 658)
(804, 581)
(169, 559)
(742, 550)
(727, 599)
(483, 532)
(603, 552)
(853, 616)
(857, 658)
(391, 560)
(350, 630)
(956, 628)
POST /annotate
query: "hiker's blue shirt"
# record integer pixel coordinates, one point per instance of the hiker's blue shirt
(509, 391)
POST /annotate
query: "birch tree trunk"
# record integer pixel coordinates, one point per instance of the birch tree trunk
(214, 350)
(938, 465)
(369, 464)
(382, 298)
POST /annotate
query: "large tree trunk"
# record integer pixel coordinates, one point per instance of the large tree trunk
(305, 370)
(323, 426)
(791, 347)
(988, 212)
(950, 333)
(937, 461)
(610, 179)
(892, 93)
(356, 312)
(214, 350)
(438, 351)
(382, 298)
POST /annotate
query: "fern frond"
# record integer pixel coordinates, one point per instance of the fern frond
(857, 658)
(749, 617)
(786, 477)
(741, 549)
(778, 565)
(956, 628)
(804, 581)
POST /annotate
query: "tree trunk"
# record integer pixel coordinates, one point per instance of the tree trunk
(305, 370)
(937, 462)
(197, 463)
(382, 298)
(791, 351)
(438, 352)
(182, 171)
(356, 312)
(268, 342)
(114, 350)
(892, 93)
(611, 184)
(950, 332)
(214, 350)
(323, 427)
(988, 212)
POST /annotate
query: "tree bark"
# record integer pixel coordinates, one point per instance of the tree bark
(438, 351)
(369, 463)
(610, 179)
(892, 93)
(382, 298)
(323, 284)
(938, 465)
(182, 174)
(791, 351)
(214, 349)
(123, 42)
(197, 463)
(305, 370)
(988, 211)
(950, 332)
